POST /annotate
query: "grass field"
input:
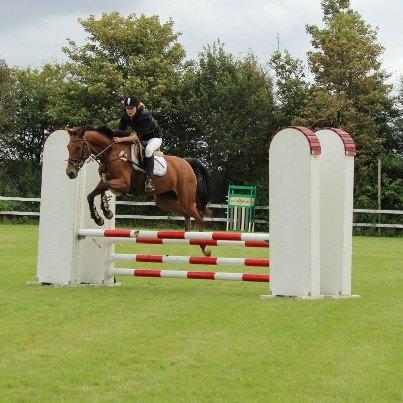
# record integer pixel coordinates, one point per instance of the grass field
(182, 340)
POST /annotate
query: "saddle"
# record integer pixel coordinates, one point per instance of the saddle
(137, 159)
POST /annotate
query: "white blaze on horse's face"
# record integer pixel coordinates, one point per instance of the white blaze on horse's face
(76, 154)
(71, 170)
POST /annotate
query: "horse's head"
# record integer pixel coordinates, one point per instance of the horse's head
(78, 151)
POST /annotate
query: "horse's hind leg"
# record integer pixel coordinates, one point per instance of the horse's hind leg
(175, 206)
(200, 226)
(168, 203)
(187, 221)
(187, 200)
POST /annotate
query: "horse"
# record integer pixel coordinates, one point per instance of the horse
(184, 189)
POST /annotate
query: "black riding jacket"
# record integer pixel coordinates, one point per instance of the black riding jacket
(143, 123)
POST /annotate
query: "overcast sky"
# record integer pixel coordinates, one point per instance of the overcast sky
(32, 32)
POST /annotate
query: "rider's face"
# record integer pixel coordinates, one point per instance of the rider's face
(131, 110)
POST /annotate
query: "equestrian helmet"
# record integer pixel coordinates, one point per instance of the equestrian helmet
(131, 101)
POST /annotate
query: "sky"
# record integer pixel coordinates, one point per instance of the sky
(33, 32)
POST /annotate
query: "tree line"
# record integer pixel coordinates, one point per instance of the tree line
(220, 108)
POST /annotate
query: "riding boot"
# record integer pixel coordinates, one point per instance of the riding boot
(149, 186)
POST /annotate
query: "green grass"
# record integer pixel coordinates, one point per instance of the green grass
(179, 340)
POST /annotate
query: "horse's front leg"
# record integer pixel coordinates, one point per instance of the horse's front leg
(104, 198)
(105, 206)
(99, 189)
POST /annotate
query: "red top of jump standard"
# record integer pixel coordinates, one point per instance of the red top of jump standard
(349, 145)
(312, 139)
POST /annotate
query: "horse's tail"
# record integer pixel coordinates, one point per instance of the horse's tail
(203, 191)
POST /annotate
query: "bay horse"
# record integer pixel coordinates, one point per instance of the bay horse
(184, 189)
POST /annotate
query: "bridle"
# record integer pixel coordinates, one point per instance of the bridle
(86, 154)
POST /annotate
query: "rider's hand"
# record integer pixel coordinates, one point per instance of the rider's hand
(134, 137)
(117, 140)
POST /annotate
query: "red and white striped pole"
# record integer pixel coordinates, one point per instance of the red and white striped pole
(192, 275)
(198, 242)
(229, 261)
(193, 235)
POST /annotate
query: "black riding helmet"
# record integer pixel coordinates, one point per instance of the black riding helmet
(131, 101)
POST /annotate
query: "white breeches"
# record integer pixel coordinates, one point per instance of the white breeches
(152, 145)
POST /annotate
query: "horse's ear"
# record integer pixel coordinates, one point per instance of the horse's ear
(69, 131)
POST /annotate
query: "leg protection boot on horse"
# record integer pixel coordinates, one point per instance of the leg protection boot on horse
(149, 186)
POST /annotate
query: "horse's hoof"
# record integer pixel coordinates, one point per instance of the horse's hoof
(207, 252)
(108, 214)
(99, 221)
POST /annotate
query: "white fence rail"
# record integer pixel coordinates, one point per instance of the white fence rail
(209, 219)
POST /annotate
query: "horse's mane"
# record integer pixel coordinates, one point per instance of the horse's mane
(103, 129)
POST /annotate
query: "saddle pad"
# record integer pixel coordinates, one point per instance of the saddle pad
(160, 165)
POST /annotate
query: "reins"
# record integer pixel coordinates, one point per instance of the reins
(86, 155)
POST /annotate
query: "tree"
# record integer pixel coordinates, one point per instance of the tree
(332, 7)
(6, 99)
(397, 143)
(21, 147)
(350, 89)
(232, 108)
(292, 88)
(122, 55)
(31, 93)
(392, 159)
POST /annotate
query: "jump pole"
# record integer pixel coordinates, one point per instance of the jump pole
(215, 261)
(192, 275)
(190, 235)
(198, 242)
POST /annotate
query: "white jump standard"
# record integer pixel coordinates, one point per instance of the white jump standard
(311, 203)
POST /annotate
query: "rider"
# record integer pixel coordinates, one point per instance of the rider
(144, 128)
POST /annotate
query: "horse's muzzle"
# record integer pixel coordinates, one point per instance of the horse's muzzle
(72, 174)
